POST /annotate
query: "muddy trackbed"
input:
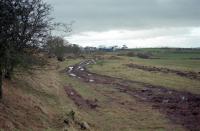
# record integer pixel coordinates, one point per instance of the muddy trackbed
(79, 100)
(186, 74)
(180, 107)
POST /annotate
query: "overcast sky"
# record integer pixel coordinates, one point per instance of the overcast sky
(136, 23)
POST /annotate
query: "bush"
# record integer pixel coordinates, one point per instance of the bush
(144, 55)
(60, 58)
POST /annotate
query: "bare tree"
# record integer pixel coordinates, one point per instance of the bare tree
(24, 24)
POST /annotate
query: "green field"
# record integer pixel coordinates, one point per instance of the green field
(168, 58)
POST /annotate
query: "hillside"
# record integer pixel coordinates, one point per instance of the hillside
(35, 100)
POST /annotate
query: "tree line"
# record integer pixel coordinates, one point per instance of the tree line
(25, 27)
(58, 47)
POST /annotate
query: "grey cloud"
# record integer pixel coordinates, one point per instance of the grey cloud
(101, 15)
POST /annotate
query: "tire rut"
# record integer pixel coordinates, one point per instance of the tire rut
(181, 107)
(186, 74)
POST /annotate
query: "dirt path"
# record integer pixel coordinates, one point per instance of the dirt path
(186, 74)
(79, 100)
(181, 107)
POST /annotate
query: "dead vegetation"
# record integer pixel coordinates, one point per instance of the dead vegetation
(35, 101)
(22, 111)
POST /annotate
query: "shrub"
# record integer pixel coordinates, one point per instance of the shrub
(144, 55)
(60, 58)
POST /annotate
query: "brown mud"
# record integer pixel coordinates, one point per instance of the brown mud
(180, 107)
(186, 74)
(79, 100)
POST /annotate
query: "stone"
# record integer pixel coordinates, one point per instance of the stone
(84, 126)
